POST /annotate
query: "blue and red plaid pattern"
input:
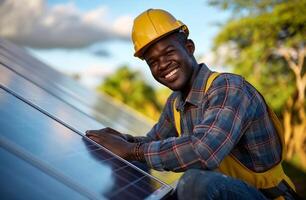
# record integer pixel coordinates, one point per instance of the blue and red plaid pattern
(231, 118)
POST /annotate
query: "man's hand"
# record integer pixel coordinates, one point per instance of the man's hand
(116, 142)
(109, 130)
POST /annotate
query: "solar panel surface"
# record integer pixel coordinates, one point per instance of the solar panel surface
(26, 182)
(42, 142)
(99, 107)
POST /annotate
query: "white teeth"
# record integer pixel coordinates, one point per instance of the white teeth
(171, 73)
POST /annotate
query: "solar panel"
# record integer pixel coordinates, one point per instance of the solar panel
(20, 180)
(41, 131)
(47, 102)
(101, 108)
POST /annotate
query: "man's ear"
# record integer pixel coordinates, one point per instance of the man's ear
(190, 46)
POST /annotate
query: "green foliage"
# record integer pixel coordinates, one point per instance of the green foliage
(246, 7)
(255, 39)
(128, 87)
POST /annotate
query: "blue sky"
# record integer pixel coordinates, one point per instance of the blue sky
(200, 18)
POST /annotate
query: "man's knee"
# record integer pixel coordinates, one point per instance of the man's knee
(189, 176)
(192, 180)
(201, 184)
(194, 176)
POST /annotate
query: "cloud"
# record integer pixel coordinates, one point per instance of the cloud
(101, 53)
(32, 23)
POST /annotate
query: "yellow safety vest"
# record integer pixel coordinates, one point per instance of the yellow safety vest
(234, 168)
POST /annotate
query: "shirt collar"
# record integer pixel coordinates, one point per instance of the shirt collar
(196, 92)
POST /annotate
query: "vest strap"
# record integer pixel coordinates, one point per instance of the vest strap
(281, 189)
(176, 113)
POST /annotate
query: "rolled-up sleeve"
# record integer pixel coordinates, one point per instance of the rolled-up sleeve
(225, 112)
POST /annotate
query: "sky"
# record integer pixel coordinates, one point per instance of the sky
(92, 37)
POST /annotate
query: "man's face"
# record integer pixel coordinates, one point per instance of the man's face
(171, 62)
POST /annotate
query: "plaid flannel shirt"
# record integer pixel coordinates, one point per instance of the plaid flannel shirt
(231, 118)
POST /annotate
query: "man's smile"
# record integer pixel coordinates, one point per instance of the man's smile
(171, 75)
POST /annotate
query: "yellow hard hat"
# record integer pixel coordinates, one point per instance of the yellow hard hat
(152, 25)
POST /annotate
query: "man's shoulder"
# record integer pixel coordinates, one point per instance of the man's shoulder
(235, 82)
(229, 80)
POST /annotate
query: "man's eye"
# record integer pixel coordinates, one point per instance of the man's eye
(170, 52)
(152, 64)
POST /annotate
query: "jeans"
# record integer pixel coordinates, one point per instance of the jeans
(199, 184)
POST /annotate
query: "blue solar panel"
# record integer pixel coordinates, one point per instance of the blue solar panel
(47, 102)
(100, 107)
(42, 131)
(21, 180)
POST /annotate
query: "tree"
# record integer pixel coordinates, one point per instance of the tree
(267, 43)
(128, 87)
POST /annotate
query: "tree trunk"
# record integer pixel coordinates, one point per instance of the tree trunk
(288, 133)
(294, 114)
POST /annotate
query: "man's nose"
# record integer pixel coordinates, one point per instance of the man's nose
(163, 63)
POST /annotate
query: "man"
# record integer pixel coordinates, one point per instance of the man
(214, 127)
